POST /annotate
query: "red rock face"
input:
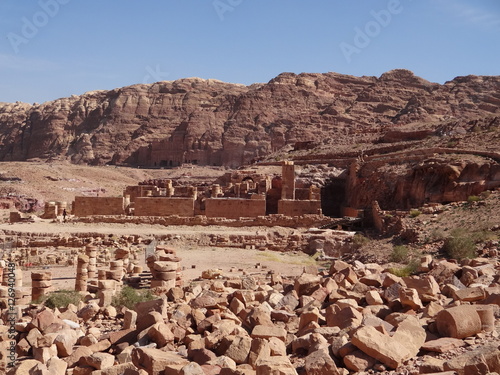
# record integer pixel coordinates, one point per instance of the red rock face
(214, 123)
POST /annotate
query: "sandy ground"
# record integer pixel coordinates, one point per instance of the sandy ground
(233, 262)
(195, 259)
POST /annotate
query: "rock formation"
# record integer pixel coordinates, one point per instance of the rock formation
(351, 318)
(214, 123)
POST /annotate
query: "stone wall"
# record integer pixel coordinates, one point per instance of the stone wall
(151, 206)
(231, 208)
(87, 206)
(297, 208)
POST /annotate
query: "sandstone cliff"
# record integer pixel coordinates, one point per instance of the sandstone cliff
(215, 123)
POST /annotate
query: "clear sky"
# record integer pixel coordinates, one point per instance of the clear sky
(55, 48)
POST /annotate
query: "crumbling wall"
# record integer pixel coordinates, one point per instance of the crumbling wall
(231, 208)
(151, 206)
(88, 206)
(296, 208)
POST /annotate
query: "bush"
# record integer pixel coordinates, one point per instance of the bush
(129, 296)
(483, 236)
(415, 213)
(359, 241)
(459, 245)
(399, 254)
(485, 194)
(61, 299)
(473, 198)
(408, 270)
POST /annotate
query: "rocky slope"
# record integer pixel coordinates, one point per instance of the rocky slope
(227, 124)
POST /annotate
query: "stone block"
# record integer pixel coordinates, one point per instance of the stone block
(275, 366)
(347, 317)
(469, 294)
(162, 266)
(39, 276)
(409, 298)
(155, 361)
(391, 351)
(99, 361)
(443, 344)
(359, 361)
(306, 284)
(320, 362)
(266, 332)
(238, 348)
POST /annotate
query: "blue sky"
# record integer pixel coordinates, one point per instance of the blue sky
(55, 48)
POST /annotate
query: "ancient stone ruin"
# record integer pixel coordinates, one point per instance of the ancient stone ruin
(240, 195)
(350, 318)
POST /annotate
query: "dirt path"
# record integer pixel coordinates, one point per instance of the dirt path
(49, 228)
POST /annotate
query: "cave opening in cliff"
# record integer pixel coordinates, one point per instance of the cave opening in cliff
(333, 197)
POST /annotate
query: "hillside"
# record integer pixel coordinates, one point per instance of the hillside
(209, 122)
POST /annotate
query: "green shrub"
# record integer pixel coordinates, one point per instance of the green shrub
(399, 254)
(485, 194)
(473, 198)
(459, 245)
(129, 296)
(415, 213)
(61, 299)
(408, 270)
(483, 235)
(359, 241)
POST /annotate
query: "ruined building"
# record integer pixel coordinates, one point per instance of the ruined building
(234, 195)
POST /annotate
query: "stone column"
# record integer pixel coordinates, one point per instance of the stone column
(288, 180)
(82, 274)
(165, 268)
(193, 192)
(170, 190)
(216, 190)
(91, 252)
(41, 284)
(50, 211)
(124, 256)
(107, 289)
(115, 271)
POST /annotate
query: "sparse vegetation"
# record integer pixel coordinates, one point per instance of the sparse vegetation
(415, 213)
(129, 296)
(483, 235)
(359, 241)
(405, 271)
(485, 194)
(473, 198)
(276, 257)
(459, 245)
(399, 254)
(61, 298)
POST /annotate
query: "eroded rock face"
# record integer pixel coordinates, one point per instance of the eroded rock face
(414, 183)
(214, 123)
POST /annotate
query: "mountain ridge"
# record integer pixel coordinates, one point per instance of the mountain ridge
(211, 122)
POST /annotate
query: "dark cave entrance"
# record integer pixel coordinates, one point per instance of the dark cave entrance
(333, 196)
